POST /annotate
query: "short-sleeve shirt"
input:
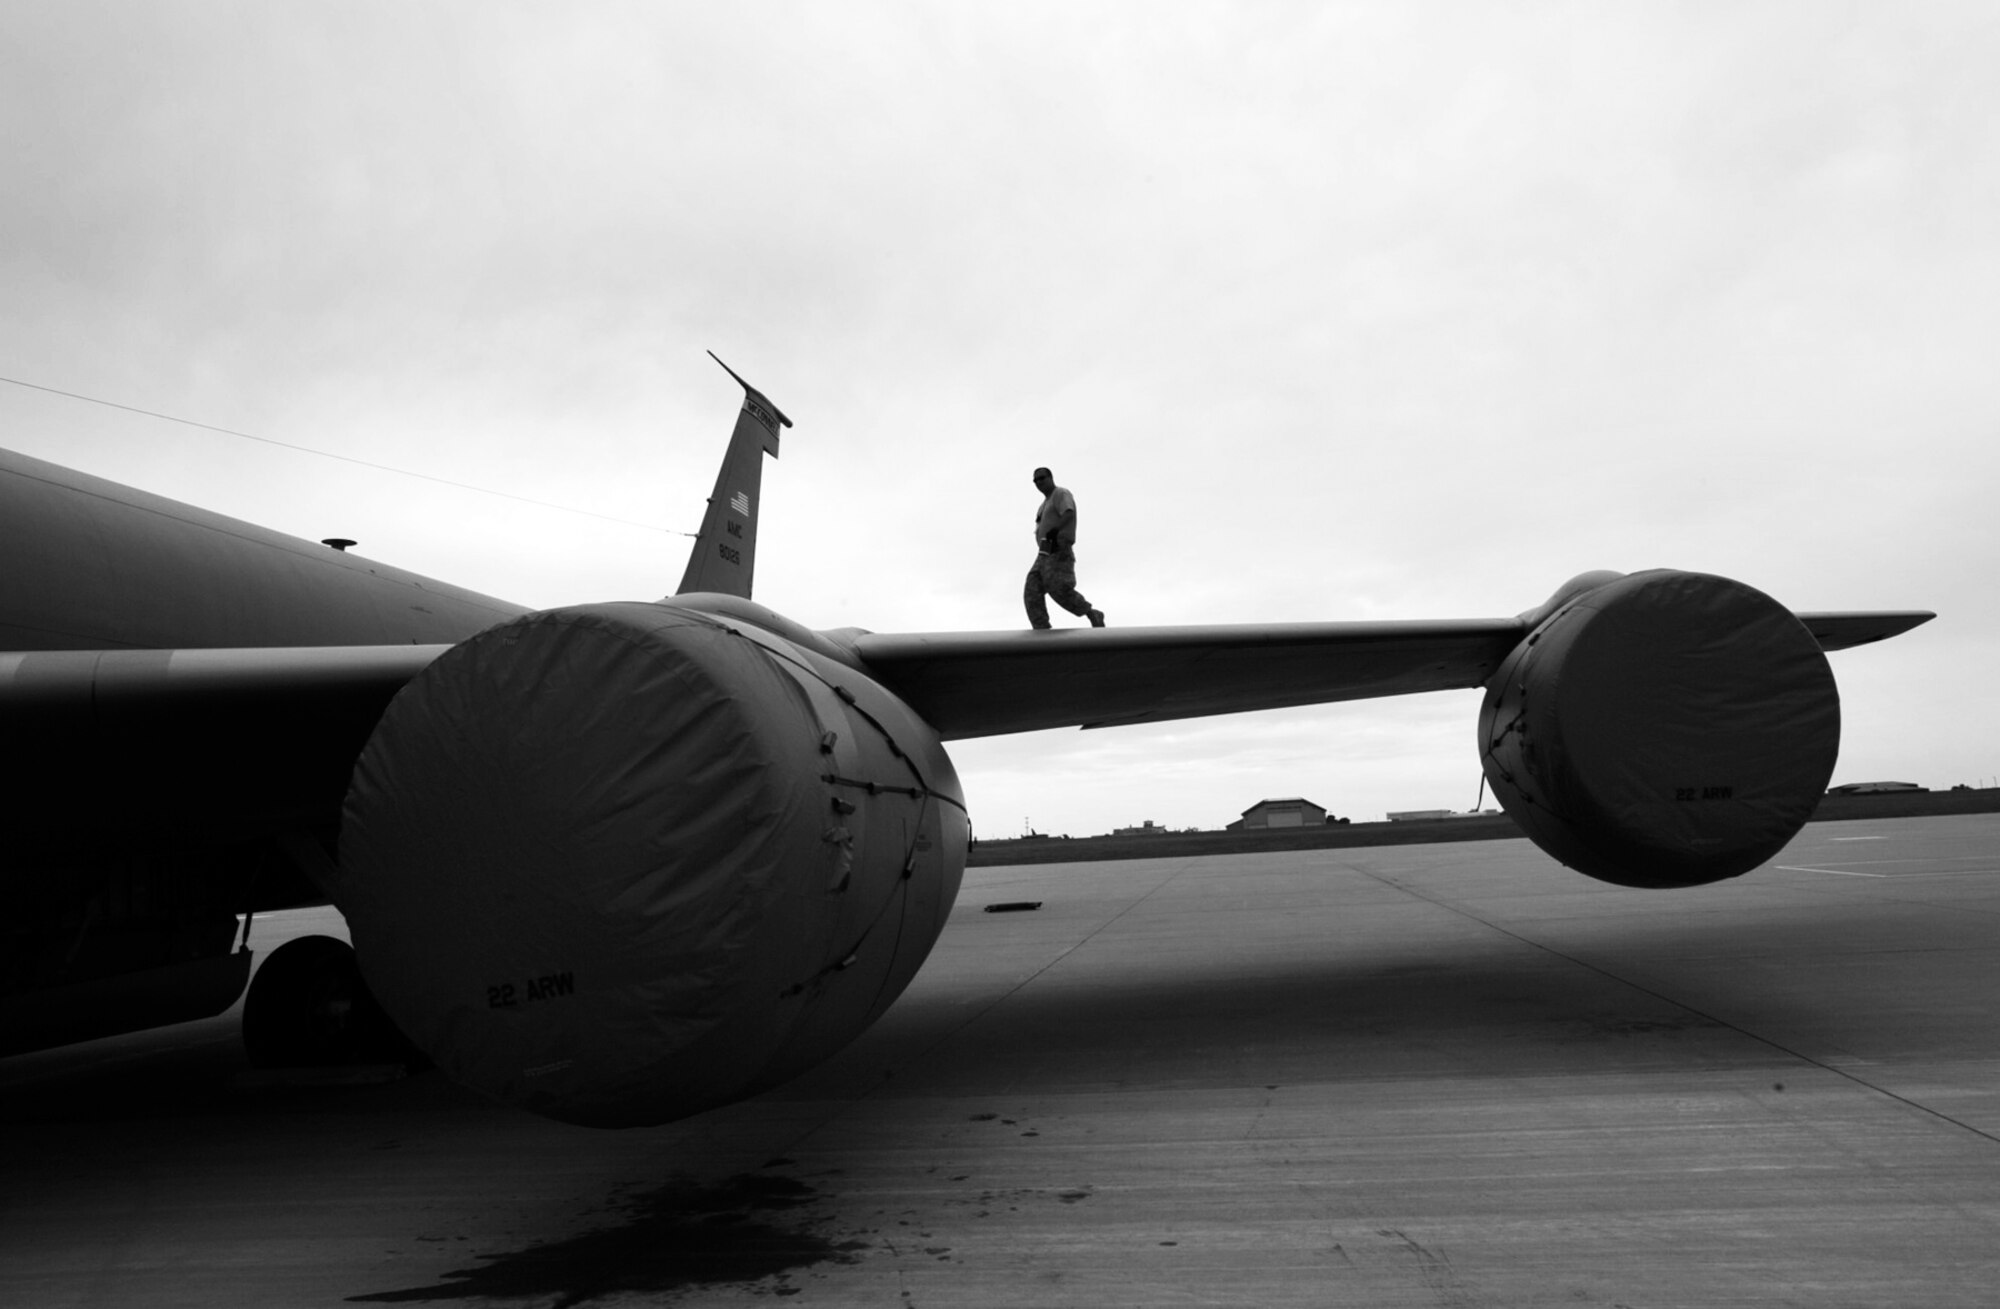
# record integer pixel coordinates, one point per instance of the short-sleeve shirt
(1049, 518)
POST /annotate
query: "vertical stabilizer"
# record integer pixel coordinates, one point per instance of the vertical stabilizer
(725, 553)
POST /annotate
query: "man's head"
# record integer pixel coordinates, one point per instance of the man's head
(1045, 481)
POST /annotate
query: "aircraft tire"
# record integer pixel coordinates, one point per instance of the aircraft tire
(309, 1008)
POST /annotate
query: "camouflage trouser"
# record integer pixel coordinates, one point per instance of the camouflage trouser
(1055, 577)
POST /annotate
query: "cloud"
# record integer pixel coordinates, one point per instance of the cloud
(1356, 312)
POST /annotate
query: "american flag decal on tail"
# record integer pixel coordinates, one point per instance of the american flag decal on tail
(740, 503)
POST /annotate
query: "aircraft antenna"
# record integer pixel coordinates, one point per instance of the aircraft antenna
(350, 459)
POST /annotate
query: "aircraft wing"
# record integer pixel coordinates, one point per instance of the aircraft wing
(988, 683)
(104, 745)
(985, 683)
(225, 744)
(1844, 631)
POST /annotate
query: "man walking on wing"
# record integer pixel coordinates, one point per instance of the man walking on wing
(1054, 573)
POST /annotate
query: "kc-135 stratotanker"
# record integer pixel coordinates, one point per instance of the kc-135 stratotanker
(621, 863)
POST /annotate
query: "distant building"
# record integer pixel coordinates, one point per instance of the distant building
(1873, 788)
(1147, 828)
(1292, 811)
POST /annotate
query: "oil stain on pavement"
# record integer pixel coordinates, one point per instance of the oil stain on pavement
(673, 1238)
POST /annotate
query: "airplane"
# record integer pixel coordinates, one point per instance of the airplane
(621, 863)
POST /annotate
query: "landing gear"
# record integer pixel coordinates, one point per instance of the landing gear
(309, 1008)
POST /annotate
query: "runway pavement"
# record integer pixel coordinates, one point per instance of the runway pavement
(1411, 1075)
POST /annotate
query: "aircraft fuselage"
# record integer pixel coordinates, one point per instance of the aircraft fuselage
(92, 565)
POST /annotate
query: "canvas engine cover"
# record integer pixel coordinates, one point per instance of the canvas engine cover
(1666, 729)
(619, 863)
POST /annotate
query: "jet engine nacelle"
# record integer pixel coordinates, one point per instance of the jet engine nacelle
(620, 863)
(1662, 729)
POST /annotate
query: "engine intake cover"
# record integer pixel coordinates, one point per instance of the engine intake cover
(620, 863)
(1666, 729)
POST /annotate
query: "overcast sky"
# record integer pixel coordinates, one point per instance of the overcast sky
(1323, 311)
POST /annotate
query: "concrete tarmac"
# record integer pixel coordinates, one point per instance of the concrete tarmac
(1405, 1075)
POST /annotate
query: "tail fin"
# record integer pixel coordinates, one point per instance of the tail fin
(725, 552)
